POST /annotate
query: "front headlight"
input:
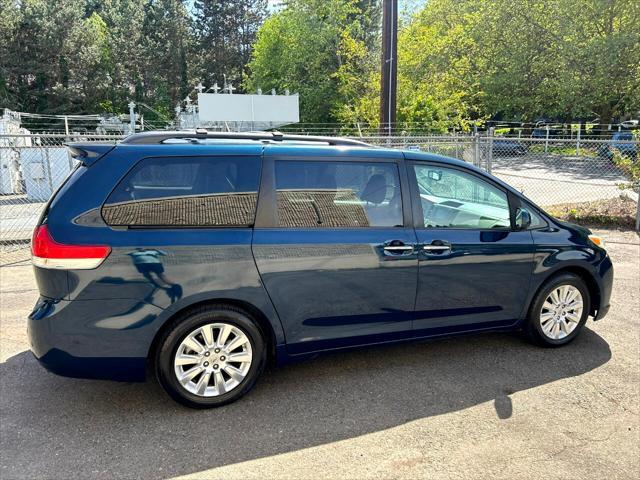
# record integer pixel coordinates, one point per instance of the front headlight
(597, 241)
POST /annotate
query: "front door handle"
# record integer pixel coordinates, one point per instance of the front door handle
(437, 247)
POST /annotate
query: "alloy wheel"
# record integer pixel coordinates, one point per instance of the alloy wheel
(561, 312)
(213, 359)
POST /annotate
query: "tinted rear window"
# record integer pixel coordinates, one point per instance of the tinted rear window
(186, 191)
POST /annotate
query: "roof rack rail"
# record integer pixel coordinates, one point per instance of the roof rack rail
(157, 137)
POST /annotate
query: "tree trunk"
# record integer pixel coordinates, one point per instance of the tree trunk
(605, 114)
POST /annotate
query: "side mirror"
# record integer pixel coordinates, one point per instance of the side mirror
(523, 219)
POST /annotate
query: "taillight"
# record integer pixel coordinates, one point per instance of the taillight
(47, 253)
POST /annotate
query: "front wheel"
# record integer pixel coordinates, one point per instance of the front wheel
(559, 311)
(210, 357)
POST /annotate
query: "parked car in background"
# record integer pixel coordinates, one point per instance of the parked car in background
(622, 143)
(509, 147)
(202, 256)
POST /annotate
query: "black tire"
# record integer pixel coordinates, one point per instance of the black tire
(187, 323)
(533, 327)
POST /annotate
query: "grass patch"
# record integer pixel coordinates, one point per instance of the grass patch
(617, 212)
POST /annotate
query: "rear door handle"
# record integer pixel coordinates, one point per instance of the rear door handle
(397, 247)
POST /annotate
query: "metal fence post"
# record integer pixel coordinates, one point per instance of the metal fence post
(578, 139)
(490, 151)
(47, 159)
(638, 213)
(546, 140)
(476, 149)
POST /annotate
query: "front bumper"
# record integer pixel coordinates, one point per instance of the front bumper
(605, 284)
(602, 312)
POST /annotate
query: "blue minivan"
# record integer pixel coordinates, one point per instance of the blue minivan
(202, 256)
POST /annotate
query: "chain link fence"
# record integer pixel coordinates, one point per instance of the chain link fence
(32, 167)
(548, 171)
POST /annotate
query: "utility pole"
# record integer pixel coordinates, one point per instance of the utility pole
(389, 78)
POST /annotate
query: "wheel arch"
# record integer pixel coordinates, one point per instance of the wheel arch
(584, 274)
(251, 310)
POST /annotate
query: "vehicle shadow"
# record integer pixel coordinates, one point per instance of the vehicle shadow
(80, 428)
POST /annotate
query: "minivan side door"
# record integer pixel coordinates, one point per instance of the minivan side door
(335, 249)
(475, 267)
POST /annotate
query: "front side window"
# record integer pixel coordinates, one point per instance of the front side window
(186, 192)
(338, 194)
(451, 198)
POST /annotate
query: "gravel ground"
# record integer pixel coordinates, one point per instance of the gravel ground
(484, 406)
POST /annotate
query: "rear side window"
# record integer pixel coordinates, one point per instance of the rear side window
(338, 194)
(186, 192)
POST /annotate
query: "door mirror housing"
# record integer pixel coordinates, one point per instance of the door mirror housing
(523, 219)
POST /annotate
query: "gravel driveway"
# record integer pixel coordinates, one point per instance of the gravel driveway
(483, 406)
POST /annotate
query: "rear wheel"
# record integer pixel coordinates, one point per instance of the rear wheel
(559, 311)
(210, 357)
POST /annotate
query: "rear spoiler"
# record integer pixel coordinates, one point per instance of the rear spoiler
(89, 153)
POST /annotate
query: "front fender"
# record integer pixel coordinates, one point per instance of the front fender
(559, 250)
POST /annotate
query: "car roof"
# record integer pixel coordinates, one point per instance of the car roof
(293, 149)
(91, 151)
(321, 150)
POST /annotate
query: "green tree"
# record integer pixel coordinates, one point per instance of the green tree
(224, 35)
(127, 59)
(600, 47)
(437, 65)
(34, 61)
(166, 42)
(88, 57)
(321, 50)
(520, 59)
